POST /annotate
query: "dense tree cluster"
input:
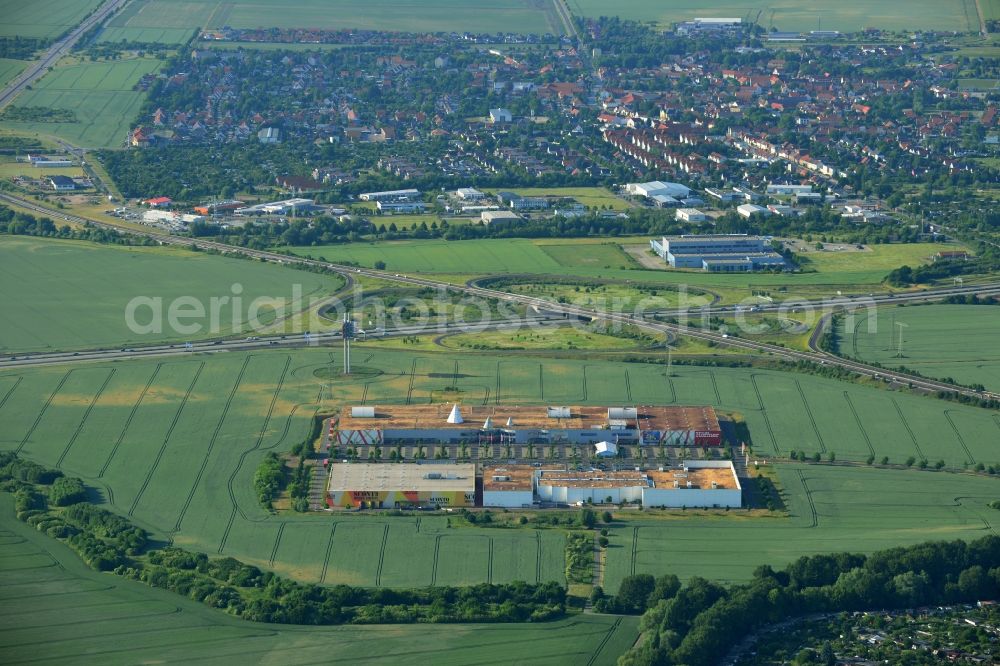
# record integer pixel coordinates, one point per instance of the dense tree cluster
(25, 224)
(703, 620)
(269, 479)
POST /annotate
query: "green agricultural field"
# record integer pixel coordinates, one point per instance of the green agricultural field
(158, 21)
(42, 19)
(832, 509)
(957, 341)
(991, 9)
(174, 442)
(170, 21)
(846, 16)
(117, 621)
(99, 94)
(9, 69)
(609, 297)
(565, 338)
(87, 287)
(830, 272)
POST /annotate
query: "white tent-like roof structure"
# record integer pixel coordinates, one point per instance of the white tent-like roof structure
(510, 421)
(607, 449)
(488, 423)
(455, 416)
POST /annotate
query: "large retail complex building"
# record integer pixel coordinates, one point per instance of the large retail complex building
(723, 253)
(371, 485)
(451, 424)
(696, 483)
(377, 485)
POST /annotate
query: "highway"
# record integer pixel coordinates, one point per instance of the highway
(570, 310)
(57, 50)
(257, 342)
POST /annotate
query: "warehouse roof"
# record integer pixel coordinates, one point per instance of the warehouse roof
(435, 416)
(508, 477)
(384, 477)
(700, 477)
(592, 478)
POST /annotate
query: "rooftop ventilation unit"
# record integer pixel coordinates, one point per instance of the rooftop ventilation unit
(363, 412)
(497, 477)
(432, 475)
(559, 412)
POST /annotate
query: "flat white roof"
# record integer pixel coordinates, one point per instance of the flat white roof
(387, 477)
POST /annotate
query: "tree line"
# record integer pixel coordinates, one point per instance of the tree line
(56, 505)
(700, 622)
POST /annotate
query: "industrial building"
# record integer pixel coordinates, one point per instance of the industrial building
(295, 206)
(391, 195)
(690, 215)
(489, 217)
(657, 188)
(499, 424)
(696, 483)
(381, 486)
(749, 210)
(779, 189)
(400, 207)
(717, 253)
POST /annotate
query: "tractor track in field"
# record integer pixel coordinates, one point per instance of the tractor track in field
(541, 383)
(857, 419)
(961, 440)
(381, 556)
(673, 390)
(243, 456)
(958, 502)
(166, 439)
(41, 412)
(715, 388)
(10, 391)
(277, 540)
(288, 424)
(329, 550)
(437, 553)
(489, 569)
(364, 394)
(211, 444)
(635, 549)
(538, 557)
(812, 419)
(763, 412)
(413, 374)
(496, 396)
(812, 504)
(913, 437)
(86, 415)
(585, 382)
(604, 641)
(128, 420)
(628, 387)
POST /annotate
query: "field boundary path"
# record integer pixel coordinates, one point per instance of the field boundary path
(40, 67)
